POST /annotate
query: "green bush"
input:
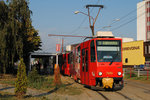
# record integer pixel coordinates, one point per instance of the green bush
(37, 81)
(34, 76)
(21, 82)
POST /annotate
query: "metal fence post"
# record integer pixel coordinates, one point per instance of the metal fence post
(147, 74)
(130, 72)
(138, 72)
(124, 72)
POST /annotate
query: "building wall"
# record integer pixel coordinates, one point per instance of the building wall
(133, 52)
(147, 20)
(141, 21)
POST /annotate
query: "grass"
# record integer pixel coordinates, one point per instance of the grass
(10, 82)
(44, 83)
(70, 90)
(7, 79)
(135, 77)
(9, 96)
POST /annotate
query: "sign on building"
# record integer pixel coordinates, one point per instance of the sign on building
(57, 47)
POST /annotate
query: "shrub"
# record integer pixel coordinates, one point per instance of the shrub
(37, 81)
(34, 76)
(57, 76)
(21, 82)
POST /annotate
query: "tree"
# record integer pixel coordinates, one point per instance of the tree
(21, 83)
(3, 33)
(17, 35)
(28, 39)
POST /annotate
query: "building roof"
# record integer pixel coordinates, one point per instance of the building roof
(41, 54)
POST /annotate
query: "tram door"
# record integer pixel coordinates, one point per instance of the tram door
(85, 75)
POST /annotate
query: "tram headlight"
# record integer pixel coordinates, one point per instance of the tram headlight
(100, 73)
(119, 73)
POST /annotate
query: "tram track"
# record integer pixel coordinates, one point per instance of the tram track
(102, 95)
(126, 97)
(119, 93)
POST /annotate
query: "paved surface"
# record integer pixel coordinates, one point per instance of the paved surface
(131, 91)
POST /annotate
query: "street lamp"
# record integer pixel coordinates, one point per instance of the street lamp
(91, 26)
(110, 25)
(76, 12)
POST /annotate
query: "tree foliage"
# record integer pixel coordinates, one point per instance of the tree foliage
(17, 35)
(21, 83)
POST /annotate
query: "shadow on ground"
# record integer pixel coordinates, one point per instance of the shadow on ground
(6, 96)
(6, 88)
(52, 91)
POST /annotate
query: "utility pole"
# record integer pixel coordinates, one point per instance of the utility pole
(94, 19)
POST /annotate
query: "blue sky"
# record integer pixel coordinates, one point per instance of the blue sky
(57, 17)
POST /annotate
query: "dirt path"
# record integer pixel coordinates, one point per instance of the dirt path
(10, 89)
(132, 91)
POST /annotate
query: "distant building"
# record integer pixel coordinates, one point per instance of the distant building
(126, 39)
(143, 20)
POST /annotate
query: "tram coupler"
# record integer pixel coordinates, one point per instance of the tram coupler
(108, 82)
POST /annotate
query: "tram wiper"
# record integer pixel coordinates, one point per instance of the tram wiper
(114, 58)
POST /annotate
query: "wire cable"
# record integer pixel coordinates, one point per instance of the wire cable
(125, 16)
(128, 21)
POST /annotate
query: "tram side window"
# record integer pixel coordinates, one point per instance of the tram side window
(78, 54)
(83, 53)
(69, 58)
(92, 51)
(86, 61)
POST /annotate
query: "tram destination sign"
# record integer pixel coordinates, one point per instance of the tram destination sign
(107, 42)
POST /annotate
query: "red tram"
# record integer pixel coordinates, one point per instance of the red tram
(66, 64)
(98, 62)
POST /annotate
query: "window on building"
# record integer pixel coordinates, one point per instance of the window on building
(148, 14)
(148, 35)
(149, 49)
(126, 60)
(145, 49)
(148, 5)
(148, 23)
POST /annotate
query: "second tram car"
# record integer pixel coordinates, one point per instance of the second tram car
(66, 64)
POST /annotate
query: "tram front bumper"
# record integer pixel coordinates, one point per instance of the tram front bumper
(107, 82)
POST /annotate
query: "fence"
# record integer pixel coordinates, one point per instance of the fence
(137, 73)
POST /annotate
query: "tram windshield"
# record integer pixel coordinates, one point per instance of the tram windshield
(108, 50)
